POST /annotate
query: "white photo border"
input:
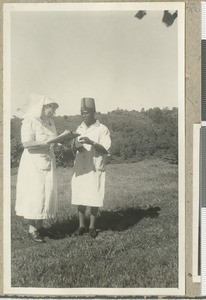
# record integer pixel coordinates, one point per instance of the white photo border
(120, 6)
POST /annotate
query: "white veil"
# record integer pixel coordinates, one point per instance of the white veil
(33, 106)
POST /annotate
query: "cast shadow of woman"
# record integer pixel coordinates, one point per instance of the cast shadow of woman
(116, 220)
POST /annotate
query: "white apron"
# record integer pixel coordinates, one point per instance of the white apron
(88, 181)
(36, 195)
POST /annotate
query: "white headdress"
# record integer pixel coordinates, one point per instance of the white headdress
(33, 106)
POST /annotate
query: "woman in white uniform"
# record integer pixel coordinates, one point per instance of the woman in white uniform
(36, 196)
(88, 181)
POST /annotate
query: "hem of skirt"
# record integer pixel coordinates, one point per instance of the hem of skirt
(36, 217)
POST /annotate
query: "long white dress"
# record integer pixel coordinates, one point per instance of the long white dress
(36, 195)
(88, 181)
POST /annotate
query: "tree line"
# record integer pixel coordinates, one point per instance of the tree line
(135, 135)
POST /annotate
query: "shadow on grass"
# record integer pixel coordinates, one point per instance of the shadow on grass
(61, 228)
(123, 219)
(118, 220)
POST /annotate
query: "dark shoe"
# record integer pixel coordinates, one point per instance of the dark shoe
(80, 231)
(43, 231)
(36, 237)
(93, 233)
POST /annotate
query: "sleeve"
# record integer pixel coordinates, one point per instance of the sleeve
(105, 139)
(79, 132)
(27, 131)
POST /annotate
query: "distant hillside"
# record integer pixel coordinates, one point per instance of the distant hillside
(135, 135)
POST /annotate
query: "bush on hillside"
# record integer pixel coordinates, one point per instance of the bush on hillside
(64, 156)
(135, 135)
(16, 152)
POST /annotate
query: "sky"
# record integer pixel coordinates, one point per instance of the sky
(112, 56)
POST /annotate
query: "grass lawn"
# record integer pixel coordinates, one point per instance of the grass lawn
(137, 244)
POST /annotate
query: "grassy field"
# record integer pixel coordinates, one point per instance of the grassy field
(137, 244)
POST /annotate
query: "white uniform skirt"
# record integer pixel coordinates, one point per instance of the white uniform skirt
(36, 195)
(88, 189)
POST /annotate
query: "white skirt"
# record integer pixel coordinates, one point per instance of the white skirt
(88, 189)
(36, 195)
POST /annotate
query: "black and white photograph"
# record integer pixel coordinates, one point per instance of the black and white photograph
(94, 130)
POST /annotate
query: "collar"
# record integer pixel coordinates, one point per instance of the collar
(96, 124)
(47, 121)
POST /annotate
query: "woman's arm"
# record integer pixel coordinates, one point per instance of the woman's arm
(28, 135)
(35, 144)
